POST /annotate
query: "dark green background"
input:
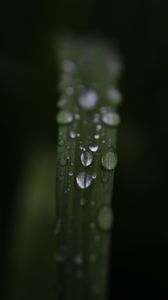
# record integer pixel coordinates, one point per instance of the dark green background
(28, 76)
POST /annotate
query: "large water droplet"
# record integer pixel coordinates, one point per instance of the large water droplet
(64, 117)
(84, 180)
(105, 218)
(109, 160)
(114, 95)
(94, 148)
(111, 119)
(86, 158)
(88, 99)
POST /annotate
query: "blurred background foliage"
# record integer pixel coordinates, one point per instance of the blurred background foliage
(28, 77)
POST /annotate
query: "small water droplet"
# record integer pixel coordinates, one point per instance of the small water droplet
(82, 148)
(96, 118)
(92, 225)
(72, 134)
(114, 95)
(88, 99)
(61, 143)
(86, 158)
(63, 162)
(64, 117)
(83, 202)
(111, 119)
(96, 136)
(105, 218)
(57, 227)
(77, 117)
(62, 102)
(98, 127)
(109, 160)
(69, 90)
(70, 173)
(84, 180)
(104, 109)
(104, 179)
(78, 135)
(61, 255)
(93, 148)
(94, 175)
(78, 259)
(68, 66)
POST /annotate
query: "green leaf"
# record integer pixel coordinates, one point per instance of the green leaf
(86, 159)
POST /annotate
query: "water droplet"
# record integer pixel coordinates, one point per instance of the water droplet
(88, 99)
(69, 90)
(57, 227)
(94, 175)
(104, 179)
(61, 255)
(98, 127)
(111, 119)
(83, 202)
(96, 136)
(96, 118)
(93, 148)
(72, 134)
(61, 143)
(86, 158)
(114, 95)
(78, 135)
(78, 259)
(62, 102)
(82, 148)
(63, 162)
(70, 173)
(92, 225)
(103, 109)
(84, 180)
(105, 218)
(77, 117)
(64, 117)
(109, 160)
(68, 66)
